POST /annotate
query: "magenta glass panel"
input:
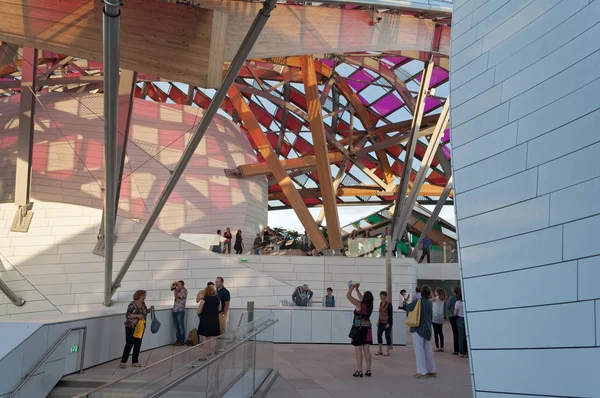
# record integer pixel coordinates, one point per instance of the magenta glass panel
(431, 103)
(328, 62)
(364, 80)
(388, 104)
(446, 136)
(395, 60)
(437, 76)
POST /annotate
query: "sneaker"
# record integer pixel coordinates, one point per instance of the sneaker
(136, 365)
(387, 354)
(123, 365)
(379, 353)
(432, 374)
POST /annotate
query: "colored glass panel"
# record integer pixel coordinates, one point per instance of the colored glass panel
(388, 104)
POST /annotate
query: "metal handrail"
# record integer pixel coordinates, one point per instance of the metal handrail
(206, 364)
(18, 301)
(181, 379)
(49, 352)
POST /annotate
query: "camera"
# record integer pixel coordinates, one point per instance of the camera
(375, 17)
(173, 286)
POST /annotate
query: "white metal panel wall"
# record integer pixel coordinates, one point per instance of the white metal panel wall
(525, 114)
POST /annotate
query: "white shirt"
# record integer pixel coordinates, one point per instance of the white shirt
(460, 308)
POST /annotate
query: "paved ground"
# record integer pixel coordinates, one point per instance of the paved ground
(315, 371)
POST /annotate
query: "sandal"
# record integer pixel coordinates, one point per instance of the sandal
(123, 365)
(368, 373)
(432, 374)
(420, 376)
(358, 374)
(137, 365)
(379, 353)
(387, 354)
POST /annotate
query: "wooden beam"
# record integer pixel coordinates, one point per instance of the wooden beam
(362, 190)
(285, 182)
(315, 116)
(391, 141)
(365, 118)
(255, 169)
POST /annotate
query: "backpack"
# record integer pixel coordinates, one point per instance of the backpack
(192, 338)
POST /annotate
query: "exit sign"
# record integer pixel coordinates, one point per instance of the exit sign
(74, 349)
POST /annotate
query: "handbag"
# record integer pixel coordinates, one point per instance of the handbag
(139, 329)
(414, 317)
(155, 324)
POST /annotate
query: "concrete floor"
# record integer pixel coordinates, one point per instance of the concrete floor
(319, 370)
(315, 371)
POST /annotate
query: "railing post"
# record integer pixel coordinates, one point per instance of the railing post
(444, 248)
(250, 310)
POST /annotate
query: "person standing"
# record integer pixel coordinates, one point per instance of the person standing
(426, 249)
(302, 295)
(438, 303)
(452, 318)
(180, 295)
(329, 299)
(403, 300)
(422, 336)
(136, 310)
(239, 245)
(208, 312)
(217, 247)
(224, 298)
(227, 244)
(386, 319)
(459, 311)
(361, 334)
(257, 244)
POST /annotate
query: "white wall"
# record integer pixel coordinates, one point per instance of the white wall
(525, 113)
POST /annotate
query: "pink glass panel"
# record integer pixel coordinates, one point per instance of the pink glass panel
(328, 62)
(388, 104)
(446, 136)
(363, 80)
(437, 76)
(431, 103)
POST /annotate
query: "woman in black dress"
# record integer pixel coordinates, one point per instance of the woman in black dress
(208, 310)
(239, 246)
(361, 333)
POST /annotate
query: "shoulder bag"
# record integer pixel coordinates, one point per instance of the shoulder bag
(155, 325)
(414, 317)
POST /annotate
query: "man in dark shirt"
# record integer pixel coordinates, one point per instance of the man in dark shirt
(225, 298)
(426, 249)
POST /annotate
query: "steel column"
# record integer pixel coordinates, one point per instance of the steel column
(284, 117)
(24, 214)
(234, 68)
(434, 143)
(127, 83)
(410, 147)
(388, 267)
(435, 214)
(111, 54)
(18, 301)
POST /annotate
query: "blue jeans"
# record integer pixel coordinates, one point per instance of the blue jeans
(178, 320)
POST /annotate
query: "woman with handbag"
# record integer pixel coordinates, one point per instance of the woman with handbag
(135, 325)
(421, 334)
(208, 311)
(361, 333)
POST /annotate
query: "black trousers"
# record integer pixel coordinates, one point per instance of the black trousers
(130, 341)
(425, 253)
(438, 332)
(454, 332)
(381, 329)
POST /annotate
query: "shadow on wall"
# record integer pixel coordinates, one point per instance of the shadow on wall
(68, 163)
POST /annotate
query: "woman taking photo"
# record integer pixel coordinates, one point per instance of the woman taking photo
(360, 333)
(459, 311)
(422, 336)
(136, 310)
(239, 246)
(438, 303)
(208, 311)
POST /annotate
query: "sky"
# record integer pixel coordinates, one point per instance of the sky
(287, 218)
